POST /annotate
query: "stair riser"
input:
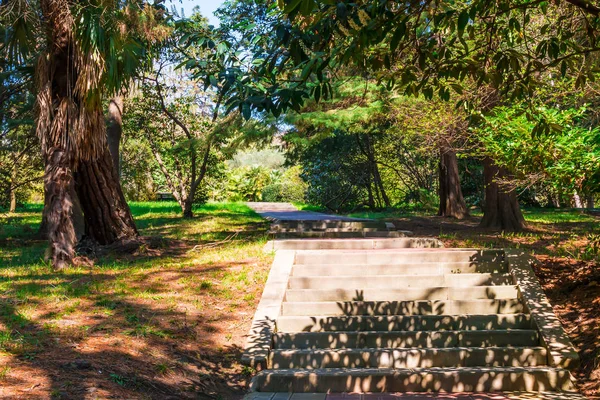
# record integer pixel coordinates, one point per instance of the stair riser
(424, 339)
(413, 358)
(400, 281)
(401, 269)
(417, 381)
(458, 307)
(430, 293)
(395, 257)
(403, 323)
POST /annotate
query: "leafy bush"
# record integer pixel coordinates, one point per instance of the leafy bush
(288, 188)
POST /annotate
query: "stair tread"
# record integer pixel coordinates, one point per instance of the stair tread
(383, 349)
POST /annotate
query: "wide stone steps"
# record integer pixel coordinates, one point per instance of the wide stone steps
(410, 269)
(403, 323)
(409, 358)
(425, 307)
(397, 257)
(399, 281)
(462, 379)
(376, 316)
(408, 293)
(406, 339)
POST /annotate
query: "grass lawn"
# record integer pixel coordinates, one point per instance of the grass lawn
(168, 320)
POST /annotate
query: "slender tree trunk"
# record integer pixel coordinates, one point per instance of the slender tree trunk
(114, 131)
(501, 209)
(12, 188)
(371, 197)
(577, 200)
(452, 202)
(107, 216)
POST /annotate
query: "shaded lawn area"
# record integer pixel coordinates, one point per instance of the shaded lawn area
(167, 321)
(566, 242)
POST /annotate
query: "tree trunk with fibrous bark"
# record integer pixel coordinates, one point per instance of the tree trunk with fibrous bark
(73, 137)
(452, 202)
(501, 209)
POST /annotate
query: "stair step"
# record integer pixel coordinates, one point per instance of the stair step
(356, 244)
(329, 229)
(429, 293)
(397, 256)
(409, 358)
(464, 379)
(403, 323)
(328, 224)
(425, 307)
(399, 269)
(340, 235)
(406, 339)
(399, 281)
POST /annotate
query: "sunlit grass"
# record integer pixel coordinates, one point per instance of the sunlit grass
(217, 255)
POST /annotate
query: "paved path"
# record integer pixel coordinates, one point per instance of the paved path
(288, 212)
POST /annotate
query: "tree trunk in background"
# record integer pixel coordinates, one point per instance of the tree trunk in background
(187, 207)
(501, 210)
(114, 130)
(577, 200)
(590, 201)
(107, 215)
(13, 189)
(452, 202)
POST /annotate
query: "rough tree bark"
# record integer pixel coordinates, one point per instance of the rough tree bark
(501, 209)
(73, 136)
(114, 131)
(107, 216)
(452, 202)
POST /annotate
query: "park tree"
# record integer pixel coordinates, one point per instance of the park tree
(429, 48)
(83, 52)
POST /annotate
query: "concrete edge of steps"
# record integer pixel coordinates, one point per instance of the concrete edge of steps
(553, 336)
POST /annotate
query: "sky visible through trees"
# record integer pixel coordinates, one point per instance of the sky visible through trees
(207, 8)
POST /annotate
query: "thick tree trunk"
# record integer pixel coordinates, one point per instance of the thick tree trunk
(452, 202)
(114, 131)
(57, 182)
(187, 207)
(107, 215)
(501, 209)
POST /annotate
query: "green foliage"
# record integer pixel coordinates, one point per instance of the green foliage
(568, 158)
(288, 187)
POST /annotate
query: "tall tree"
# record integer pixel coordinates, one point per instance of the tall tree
(85, 52)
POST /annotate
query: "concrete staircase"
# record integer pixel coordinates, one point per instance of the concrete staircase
(406, 320)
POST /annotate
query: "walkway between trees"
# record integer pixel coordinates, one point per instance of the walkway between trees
(289, 212)
(401, 315)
